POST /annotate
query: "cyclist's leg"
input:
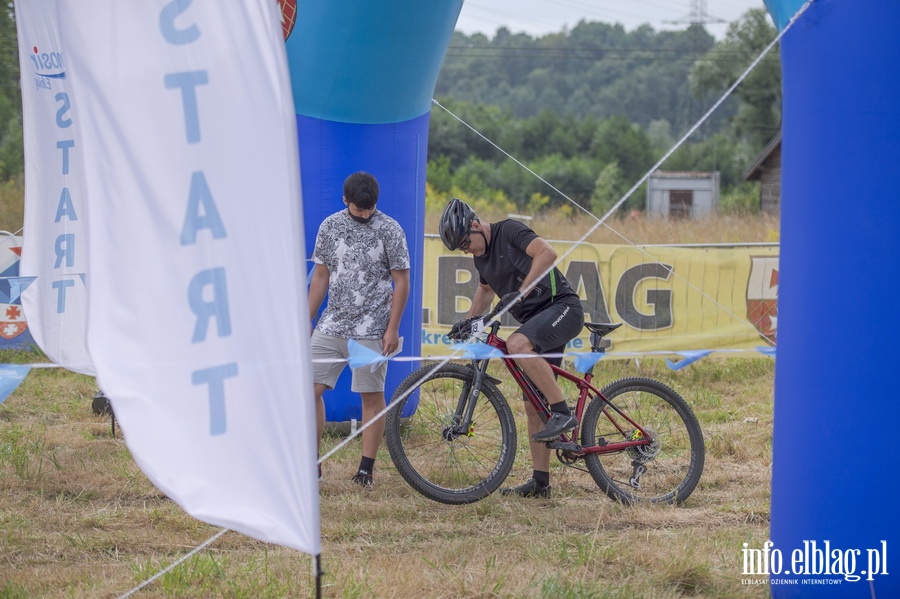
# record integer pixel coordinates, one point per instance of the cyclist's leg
(540, 455)
(553, 327)
(550, 328)
(537, 370)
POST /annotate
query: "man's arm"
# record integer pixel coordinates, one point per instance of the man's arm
(481, 301)
(543, 257)
(391, 339)
(318, 287)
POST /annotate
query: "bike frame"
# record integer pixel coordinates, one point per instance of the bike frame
(570, 441)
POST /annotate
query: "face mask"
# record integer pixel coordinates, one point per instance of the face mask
(360, 219)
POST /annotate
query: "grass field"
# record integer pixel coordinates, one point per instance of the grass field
(79, 519)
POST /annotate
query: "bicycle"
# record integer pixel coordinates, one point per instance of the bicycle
(639, 439)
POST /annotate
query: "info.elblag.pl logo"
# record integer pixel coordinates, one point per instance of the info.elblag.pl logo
(47, 67)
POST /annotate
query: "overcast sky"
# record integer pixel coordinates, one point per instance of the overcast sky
(538, 17)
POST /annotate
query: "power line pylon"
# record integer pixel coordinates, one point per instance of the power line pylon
(695, 20)
(697, 15)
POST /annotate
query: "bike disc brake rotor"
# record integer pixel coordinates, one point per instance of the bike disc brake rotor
(450, 431)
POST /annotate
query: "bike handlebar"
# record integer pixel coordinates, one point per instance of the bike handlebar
(476, 324)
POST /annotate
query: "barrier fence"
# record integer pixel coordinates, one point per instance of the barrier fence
(670, 298)
(685, 300)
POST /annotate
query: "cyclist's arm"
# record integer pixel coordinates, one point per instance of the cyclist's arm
(318, 287)
(543, 257)
(481, 301)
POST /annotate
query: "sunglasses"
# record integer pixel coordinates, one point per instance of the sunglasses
(465, 243)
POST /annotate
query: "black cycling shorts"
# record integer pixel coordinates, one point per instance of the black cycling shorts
(553, 327)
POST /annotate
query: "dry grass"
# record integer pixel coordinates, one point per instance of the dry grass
(641, 230)
(12, 205)
(553, 224)
(78, 519)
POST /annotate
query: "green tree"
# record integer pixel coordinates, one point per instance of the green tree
(759, 114)
(608, 189)
(618, 140)
(573, 176)
(12, 161)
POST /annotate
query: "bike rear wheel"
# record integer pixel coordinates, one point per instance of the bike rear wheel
(437, 461)
(665, 471)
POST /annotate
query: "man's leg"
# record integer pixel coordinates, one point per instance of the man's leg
(538, 370)
(372, 403)
(319, 390)
(325, 374)
(540, 453)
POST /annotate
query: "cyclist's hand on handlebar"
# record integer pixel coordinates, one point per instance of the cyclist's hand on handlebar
(461, 329)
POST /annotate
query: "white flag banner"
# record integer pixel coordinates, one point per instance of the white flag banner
(197, 306)
(53, 268)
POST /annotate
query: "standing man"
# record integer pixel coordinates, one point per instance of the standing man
(516, 264)
(362, 262)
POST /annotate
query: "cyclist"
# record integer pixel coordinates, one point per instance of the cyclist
(511, 258)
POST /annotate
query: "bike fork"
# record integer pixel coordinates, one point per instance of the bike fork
(465, 407)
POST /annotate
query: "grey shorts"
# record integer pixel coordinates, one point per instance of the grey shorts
(326, 347)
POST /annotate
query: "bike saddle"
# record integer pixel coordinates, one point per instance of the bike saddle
(602, 328)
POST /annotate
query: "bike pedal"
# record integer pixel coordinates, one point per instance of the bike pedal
(564, 445)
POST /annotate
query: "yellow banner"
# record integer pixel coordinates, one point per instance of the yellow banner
(669, 298)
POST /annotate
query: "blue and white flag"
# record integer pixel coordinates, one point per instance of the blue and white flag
(54, 254)
(197, 308)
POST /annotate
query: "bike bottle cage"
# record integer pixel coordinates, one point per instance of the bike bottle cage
(599, 330)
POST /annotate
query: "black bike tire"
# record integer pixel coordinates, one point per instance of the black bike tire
(619, 490)
(399, 451)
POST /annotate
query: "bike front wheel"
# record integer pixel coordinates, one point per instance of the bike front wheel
(665, 471)
(429, 450)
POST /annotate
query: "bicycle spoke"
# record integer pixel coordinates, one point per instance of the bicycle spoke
(666, 469)
(439, 458)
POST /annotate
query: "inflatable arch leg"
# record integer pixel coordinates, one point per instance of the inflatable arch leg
(363, 74)
(836, 401)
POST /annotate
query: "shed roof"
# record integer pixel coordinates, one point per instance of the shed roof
(752, 171)
(683, 175)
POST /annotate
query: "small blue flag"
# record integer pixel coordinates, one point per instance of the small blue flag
(11, 376)
(584, 361)
(360, 355)
(689, 358)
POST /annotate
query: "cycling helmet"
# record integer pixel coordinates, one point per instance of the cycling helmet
(456, 223)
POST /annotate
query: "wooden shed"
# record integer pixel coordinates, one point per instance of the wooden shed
(682, 194)
(766, 168)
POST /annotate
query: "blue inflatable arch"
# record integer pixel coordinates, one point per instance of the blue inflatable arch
(837, 402)
(363, 74)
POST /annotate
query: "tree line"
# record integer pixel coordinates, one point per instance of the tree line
(588, 109)
(592, 109)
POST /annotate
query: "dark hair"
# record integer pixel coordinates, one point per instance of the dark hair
(361, 190)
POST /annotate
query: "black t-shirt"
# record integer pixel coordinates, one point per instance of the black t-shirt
(504, 265)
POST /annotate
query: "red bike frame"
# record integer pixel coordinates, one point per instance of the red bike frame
(585, 389)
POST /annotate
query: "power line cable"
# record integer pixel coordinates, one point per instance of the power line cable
(602, 221)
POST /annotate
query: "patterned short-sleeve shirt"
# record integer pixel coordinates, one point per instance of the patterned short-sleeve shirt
(359, 258)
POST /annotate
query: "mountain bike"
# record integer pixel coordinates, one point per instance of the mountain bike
(638, 438)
